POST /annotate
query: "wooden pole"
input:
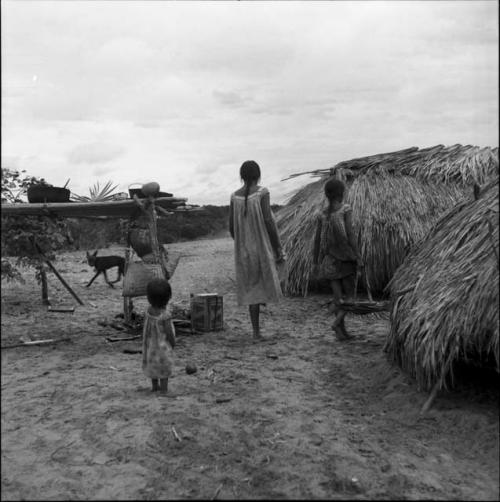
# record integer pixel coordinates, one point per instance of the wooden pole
(153, 234)
(153, 231)
(58, 275)
(43, 278)
(64, 283)
(35, 343)
(127, 302)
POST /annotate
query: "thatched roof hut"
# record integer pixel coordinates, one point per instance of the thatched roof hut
(451, 315)
(396, 197)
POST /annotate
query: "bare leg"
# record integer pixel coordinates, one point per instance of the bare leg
(254, 318)
(348, 286)
(338, 325)
(154, 382)
(336, 286)
(163, 384)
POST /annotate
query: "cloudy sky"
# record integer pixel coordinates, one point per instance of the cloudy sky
(184, 92)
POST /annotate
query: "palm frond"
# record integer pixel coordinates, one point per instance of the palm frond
(96, 193)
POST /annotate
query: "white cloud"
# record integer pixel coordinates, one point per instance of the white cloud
(183, 92)
(93, 153)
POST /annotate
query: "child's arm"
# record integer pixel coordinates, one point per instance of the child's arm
(350, 234)
(317, 242)
(231, 219)
(272, 230)
(170, 331)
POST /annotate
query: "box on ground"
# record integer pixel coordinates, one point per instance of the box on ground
(207, 312)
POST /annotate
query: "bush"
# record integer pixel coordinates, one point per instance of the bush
(19, 233)
(97, 234)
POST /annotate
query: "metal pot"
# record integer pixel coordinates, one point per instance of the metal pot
(43, 193)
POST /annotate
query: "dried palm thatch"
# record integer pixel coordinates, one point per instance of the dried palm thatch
(396, 197)
(452, 313)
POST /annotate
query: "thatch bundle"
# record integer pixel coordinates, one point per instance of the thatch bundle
(451, 315)
(396, 197)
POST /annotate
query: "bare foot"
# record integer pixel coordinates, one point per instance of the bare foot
(259, 337)
(342, 333)
(170, 394)
(336, 322)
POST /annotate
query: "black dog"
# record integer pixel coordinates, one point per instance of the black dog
(103, 263)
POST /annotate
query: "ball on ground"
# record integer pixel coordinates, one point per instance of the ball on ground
(191, 368)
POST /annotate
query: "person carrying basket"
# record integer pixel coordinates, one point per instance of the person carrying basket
(335, 252)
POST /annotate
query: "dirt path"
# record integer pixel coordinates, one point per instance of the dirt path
(300, 416)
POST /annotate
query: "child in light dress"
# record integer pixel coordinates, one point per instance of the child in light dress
(158, 337)
(257, 247)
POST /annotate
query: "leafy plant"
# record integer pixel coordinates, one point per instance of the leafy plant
(15, 184)
(19, 233)
(10, 272)
(96, 193)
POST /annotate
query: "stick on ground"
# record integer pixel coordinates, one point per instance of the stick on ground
(431, 398)
(175, 434)
(109, 339)
(219, 488)
(34, 342)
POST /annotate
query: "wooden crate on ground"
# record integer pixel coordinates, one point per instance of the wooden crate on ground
(207, 312)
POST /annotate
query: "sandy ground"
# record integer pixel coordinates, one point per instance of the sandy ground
(299, 416)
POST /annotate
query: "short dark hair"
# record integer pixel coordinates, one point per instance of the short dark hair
(334, 189)
(159, 292)
(250, 171)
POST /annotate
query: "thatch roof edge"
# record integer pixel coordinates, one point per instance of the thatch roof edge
(446, 163)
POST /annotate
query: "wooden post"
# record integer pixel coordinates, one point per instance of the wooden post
(64, 283)
(153, 231)
(58, 275)
(148, 210)
(45, 289)
(127, 302)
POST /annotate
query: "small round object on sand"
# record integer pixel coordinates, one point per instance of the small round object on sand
(191, 368)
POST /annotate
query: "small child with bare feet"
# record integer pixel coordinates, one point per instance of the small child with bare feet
(158, 336)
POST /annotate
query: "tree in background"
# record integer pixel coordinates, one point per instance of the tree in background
(20, 232)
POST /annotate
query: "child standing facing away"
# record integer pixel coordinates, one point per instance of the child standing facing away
(158, 336)
(257, 246)
(335, 254)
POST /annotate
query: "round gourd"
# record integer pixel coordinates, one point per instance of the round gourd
(150, 189)
(191, 368)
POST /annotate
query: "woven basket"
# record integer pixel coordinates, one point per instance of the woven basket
(365, 307)
(137, 277)
(140, 241)
(171, 261)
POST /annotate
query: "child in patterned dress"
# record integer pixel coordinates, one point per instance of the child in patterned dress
(335, 255)
(158, 337)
